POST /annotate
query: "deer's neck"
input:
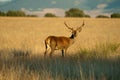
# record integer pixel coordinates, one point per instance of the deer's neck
(72, 39)
(72, 36)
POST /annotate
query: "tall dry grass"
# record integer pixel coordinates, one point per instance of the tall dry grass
(73, 67)
(30, 33)
(94, 56)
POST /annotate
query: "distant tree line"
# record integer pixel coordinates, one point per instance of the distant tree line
(17, 13)
(73, 12)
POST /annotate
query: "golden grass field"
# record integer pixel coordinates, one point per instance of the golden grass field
(94, 56)
(30, 33)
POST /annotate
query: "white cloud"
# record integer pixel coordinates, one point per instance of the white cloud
(100, 10)
(53, 2)
(101, 6)
(39, 8)
(78, 2)
(110, 1)
(57, 11)
(96, 12)
(5, 0)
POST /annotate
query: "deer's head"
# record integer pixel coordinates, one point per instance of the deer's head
(74, 31)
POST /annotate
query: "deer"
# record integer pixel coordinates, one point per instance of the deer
(61, 42)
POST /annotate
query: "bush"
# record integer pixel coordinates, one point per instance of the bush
(74, 12)
(87, 16)
(102, 16)
(2, 13)
(115, 15)
(15, 13)
(31, 15)
(49, 15)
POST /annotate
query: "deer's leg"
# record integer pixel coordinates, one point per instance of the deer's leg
(65, 50)
(52, 46)
(52, 50)
(62, 52)
(46, 49)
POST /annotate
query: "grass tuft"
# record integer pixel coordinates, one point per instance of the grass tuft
(102, 51)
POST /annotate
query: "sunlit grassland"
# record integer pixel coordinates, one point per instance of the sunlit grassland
(94, 56)
(30, 33)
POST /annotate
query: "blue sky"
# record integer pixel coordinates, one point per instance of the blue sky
(58, 7)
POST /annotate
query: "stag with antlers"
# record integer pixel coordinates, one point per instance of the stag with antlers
(61, 43)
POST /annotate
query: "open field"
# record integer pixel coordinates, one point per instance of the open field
(30, 33)
(94, 56)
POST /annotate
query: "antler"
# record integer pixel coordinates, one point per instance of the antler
(83, 24)
(68, 26)
(80, 28)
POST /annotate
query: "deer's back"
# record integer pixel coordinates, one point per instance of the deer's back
(58, 42)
